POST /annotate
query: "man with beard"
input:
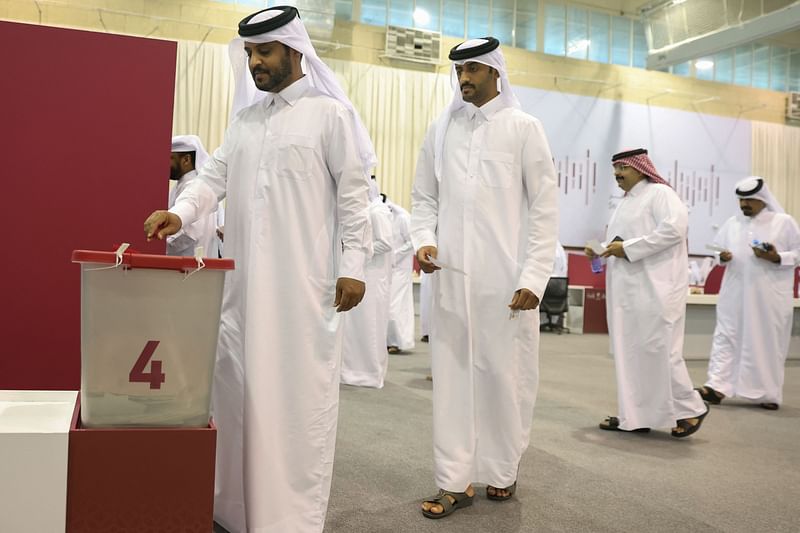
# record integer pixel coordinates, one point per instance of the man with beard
(761, 248)
(484, 219)
(646, 288)
(294, 169)
(187, 156)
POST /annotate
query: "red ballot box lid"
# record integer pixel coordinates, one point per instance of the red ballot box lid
(162, 262)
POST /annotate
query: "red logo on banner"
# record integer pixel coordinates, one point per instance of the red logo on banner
(138, 375)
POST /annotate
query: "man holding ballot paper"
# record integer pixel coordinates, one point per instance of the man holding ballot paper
(646, 289)
(485, 219)
(760, 248)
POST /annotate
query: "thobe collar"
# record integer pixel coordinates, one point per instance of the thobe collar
(487, 110)
(187, 177)
(638, 188)
(289, 95)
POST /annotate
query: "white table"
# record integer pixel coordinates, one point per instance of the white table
(34, 444)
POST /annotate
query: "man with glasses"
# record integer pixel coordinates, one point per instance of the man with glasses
(646, 288)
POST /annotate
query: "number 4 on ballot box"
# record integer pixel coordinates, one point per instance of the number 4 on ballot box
(138, 375)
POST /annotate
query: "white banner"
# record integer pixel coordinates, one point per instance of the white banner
(702, 156)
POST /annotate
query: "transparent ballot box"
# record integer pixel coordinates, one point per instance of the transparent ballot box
(149, 326)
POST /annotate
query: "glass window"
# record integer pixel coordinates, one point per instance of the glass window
(598, 36)
(555, 29)
(503, 21)
(577, 32)
(620, 41)
(723, 66)
(704, 68)
(344, 9)
(779, 69)
(401, 13)
(526, 25)
(761, 66)
(639, 45)
(682, 69)
(426, 14)
(453, 19)
(373, 12)
(478, 16)
(742, 64)
(794, 71)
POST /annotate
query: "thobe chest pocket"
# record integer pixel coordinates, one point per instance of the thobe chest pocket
(295, 157)
(497, 169)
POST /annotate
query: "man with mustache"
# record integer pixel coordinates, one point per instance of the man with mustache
(485, 209)
(294, 168)
(755, 308)
(646, 288)
(187, 156)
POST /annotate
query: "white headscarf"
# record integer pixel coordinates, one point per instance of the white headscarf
(756, 188)
(294, 35)
(494, 59)
(191, 143)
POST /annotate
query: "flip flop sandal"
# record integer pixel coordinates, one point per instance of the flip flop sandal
(770, 406)
(393, 350)
(710, 395)
(611, 423)
(461, 499)
(688, 428)
(511, 490)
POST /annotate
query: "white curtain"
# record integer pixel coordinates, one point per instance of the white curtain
(776, 158)
(396, 105)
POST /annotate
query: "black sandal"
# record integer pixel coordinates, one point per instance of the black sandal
(611, 423)
(710, 395)
(688, 428)
(770, 406)
(510, 490)
(460, 500)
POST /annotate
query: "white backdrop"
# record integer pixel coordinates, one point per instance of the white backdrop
(702, 156)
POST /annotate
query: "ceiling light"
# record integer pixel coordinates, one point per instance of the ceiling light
(703, 64)
(421, 17)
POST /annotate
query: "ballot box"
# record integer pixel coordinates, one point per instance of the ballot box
(142, 480)
(34, 431)
(149, 326)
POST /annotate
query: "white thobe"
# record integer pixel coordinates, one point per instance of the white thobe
(494, 215)
(202, 232)
(292, 177)
(560, 262)
(646, 308)
(400, 332)
(364, 356)
(425, 297)
(755, 308)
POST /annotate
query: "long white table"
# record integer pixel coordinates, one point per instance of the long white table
(701, 317)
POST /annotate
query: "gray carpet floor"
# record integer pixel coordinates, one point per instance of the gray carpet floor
(738, 473)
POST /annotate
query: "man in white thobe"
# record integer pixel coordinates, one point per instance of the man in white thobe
(364, 356)
(485, 219)
(400, 334)
(294, 169)
(755, 310)
(187, 156)
(646, 289)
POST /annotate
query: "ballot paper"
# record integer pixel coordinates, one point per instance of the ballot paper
(596, 247)
(445, 266)
(715, 248)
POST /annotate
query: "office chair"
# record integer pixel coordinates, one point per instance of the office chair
(554, 305)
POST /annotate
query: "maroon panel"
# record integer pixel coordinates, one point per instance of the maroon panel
(594, 311)
(155, 480)
(714, 280)
(86, 126)
(580, 272)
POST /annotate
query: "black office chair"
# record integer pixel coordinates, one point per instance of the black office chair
(554, 305)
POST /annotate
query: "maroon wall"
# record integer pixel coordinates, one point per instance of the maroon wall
(85, 126)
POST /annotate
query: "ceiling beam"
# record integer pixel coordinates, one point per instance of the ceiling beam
(787, 18)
